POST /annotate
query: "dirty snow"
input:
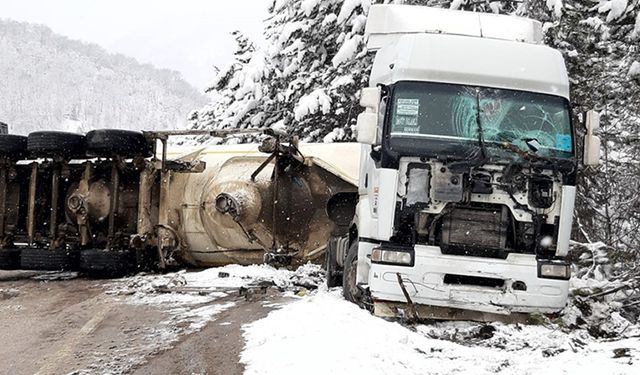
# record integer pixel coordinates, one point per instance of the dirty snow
(180, 288)
(346, 339)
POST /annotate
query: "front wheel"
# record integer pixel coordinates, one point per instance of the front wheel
(334, 276)
(350, 288)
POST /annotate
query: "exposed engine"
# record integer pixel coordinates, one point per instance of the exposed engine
(489, 212)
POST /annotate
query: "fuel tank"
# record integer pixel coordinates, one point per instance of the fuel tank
(246, 203)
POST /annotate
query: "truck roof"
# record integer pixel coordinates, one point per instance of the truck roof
(385, 23)
(471, 61)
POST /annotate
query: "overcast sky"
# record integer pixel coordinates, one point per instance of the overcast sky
(189, 36)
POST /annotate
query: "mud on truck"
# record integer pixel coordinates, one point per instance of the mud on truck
(468, 170)
(112, 202)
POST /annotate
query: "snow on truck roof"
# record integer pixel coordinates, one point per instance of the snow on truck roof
(457, 55)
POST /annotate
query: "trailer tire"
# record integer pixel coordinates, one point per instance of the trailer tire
(116, 142)
(48, 260)
(350, 289)
(107, 263)
(9, 259)
(334, 277)
(52, 143)
(13, 146)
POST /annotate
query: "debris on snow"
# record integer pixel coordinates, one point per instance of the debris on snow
(207, 285)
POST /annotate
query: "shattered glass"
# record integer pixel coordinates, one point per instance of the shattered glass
(448, 111)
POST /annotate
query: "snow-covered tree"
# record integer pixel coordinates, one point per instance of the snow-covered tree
(307, 78)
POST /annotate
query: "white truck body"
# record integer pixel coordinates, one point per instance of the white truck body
(443, 223)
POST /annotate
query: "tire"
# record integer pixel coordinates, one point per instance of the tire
(9, 259)
(334, 277)
(13, 146)
(350, 289)
(48, 260)
(107, 263)
(50, 143)
(115, 142)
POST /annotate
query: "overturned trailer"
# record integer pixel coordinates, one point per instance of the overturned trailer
(114, 201)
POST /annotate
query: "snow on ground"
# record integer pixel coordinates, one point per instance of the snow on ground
(189, 295)
(320, 332)
(190, 298)
(324, 334)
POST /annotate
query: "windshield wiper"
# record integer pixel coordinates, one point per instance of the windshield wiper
(478, 159)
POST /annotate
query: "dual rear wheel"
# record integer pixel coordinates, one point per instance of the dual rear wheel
(54, 144)
(97, 143)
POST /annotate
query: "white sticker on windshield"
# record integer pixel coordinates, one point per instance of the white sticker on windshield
(408, 107)
(406, 118)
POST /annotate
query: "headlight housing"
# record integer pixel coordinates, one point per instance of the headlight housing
(399, 257)
(554, 270)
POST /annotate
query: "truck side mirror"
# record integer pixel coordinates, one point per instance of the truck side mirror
(368, 120)
(368, 128)
(591, 141)
(370, 98)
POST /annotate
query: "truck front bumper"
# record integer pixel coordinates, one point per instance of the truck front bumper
(429, 282)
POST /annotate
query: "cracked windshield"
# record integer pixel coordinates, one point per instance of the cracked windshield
(523, 119)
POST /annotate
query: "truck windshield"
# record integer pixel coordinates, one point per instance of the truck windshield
(421, 110)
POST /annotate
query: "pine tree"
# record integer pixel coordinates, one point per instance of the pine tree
(306, 81)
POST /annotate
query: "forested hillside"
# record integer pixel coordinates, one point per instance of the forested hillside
(50, 82)
(308, 76)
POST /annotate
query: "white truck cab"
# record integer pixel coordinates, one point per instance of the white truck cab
(468, 169)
